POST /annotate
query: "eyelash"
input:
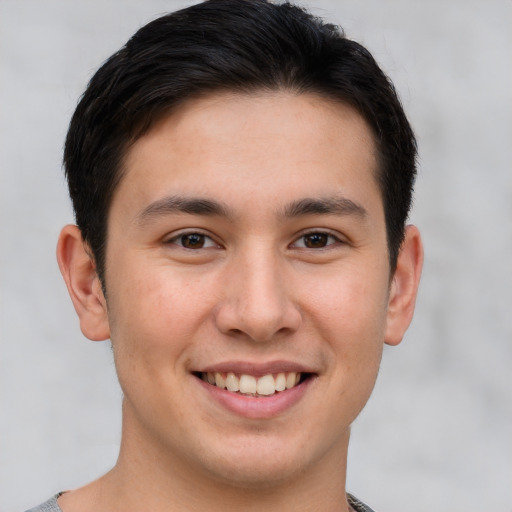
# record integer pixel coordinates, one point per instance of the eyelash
(179, 239)
(324, 237)
(334, 240)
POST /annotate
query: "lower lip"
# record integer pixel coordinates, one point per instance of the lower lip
(257, 407)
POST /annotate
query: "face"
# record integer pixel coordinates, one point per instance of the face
(247, 249)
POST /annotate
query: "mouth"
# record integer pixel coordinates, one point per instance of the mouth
(254, 386)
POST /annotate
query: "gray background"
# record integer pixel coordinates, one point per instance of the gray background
(437, 433)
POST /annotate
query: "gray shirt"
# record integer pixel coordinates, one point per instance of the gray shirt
(52, 506)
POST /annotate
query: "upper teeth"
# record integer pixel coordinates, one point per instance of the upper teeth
(248, 384)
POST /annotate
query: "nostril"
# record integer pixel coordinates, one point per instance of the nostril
(236, 332)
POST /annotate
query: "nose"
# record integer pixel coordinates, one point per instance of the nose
(257, 299)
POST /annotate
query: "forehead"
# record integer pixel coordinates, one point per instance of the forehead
(274, 140)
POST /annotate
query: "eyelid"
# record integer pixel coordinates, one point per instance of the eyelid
(172, 238)
(321, 231)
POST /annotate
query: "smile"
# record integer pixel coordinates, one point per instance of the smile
(250, 385)
(256, 391)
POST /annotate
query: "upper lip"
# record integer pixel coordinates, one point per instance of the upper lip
(255, 368)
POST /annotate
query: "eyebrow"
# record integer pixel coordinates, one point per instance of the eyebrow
(210, 208)
(325, 206)
(188, 205)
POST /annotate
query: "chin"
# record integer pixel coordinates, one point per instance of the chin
(255, 475)
(259, 464)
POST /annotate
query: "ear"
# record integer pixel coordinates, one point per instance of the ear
(79, 271)
(404, 286)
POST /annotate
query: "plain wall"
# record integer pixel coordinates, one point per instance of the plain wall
(437, 433)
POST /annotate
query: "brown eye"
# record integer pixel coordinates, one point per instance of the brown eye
(316, 240)
(192, 241)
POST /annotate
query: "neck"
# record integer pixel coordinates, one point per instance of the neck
(147, 477)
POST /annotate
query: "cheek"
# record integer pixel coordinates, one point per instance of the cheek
(155, 315)
(350, 314)
(351, 301)
(154, 318)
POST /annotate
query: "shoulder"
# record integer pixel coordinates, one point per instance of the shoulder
(48, 506)
(357, 505)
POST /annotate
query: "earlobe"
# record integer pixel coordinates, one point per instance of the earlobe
(404, 287)
(79, 271)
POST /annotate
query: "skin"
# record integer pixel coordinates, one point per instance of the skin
(256, 286)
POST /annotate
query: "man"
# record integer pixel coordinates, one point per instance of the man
(241, 175)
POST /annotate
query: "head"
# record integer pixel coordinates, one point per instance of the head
(241, 175)
(238, 46)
